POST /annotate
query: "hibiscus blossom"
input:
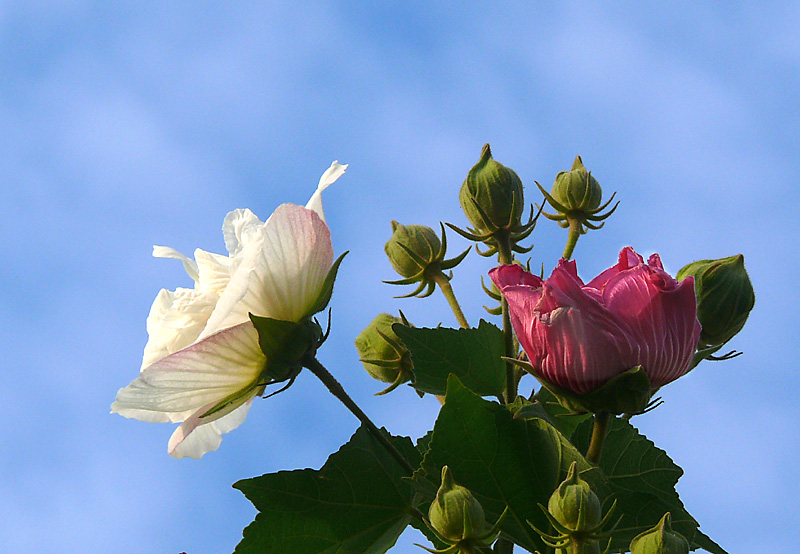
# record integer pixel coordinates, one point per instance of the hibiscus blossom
(203, 365)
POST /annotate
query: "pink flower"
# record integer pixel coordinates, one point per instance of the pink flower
(578, 336)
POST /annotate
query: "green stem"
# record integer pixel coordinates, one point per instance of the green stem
(338, 391)
(506, 257)
(572, 239)
(444, 284)
(599, 432)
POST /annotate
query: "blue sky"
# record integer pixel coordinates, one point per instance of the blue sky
(135, 124)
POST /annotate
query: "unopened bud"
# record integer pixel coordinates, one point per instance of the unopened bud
(725, 297)
(492, 196)
(455, 513)
(383, 354)
(412, 248)
(661, 539)
(573, 504)
(577, 189)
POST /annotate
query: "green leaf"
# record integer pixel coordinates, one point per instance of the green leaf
(471, 354)
(359, 502)
(503, 461)
(641, 478)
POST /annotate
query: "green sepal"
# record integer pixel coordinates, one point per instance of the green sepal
(327, 287)
(545, 406)
(285, 343)
(626, 393)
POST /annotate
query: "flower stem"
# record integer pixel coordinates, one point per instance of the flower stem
(444, 284)
(505, 256)
(338, 391)
(572, 239)
(503, 546)
(599, 432)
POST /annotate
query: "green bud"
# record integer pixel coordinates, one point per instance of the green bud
(725, 297)
(492, 196)
(574, 505)
(455, 514)
(383, 354)
(412, 248)
(661, 539)
(576, 189)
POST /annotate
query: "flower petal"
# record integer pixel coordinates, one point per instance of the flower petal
(214, 270)
(195, 436)
(570, 339)
(206, 372)
(628, 258)
(175, 321)
(239, 226)
(661, 314)
(281, 274)
(188, 264)
(507, 275)
(330, 176)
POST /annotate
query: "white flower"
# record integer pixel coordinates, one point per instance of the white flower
(203, 350)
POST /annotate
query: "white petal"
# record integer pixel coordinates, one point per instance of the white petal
(206, 372)
(281, 275)
(214, 270)
(195, 436)
(238, 227)
(330, 176)
(188, 264)
(176, 320)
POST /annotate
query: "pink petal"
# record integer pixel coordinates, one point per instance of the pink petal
(508, 275)
(628, 259)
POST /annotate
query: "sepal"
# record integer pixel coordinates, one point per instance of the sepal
(285, 344)
(326, 291)
(627, 393)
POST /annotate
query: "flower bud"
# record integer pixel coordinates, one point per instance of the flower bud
(455, 514)
(492, 196)
(576, 189)
(725, 297)
(574, 505)
(383, 354)
(412, 248)
(661, 539)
